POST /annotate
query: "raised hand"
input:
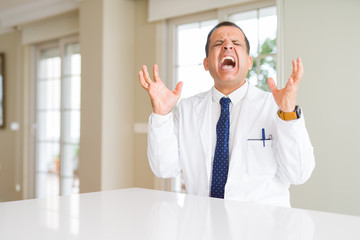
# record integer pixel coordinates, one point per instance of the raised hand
(162, 99)
(286, 98)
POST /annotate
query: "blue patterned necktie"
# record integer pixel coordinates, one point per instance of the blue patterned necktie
(221, 157)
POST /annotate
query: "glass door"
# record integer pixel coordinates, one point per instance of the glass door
(58, 84)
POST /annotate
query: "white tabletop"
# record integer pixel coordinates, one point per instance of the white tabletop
(148, 214)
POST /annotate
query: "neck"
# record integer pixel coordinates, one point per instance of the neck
(226, 90)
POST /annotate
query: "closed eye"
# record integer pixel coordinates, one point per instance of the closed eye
(218, 43)
(236, 43)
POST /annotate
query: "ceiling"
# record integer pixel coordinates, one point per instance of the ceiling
(15, 13)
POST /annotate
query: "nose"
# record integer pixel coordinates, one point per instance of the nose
(228, 45)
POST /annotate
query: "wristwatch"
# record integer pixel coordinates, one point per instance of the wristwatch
(291, 115)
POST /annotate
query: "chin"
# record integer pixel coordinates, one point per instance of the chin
(231, 81)
(229, 78)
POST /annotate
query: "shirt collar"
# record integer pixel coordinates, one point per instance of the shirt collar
(235, 97)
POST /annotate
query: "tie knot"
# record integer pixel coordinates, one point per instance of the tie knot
(224, 102)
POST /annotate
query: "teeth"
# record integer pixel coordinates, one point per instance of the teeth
(227, 67)
(227, 58)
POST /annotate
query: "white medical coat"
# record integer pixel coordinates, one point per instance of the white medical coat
(256, 173)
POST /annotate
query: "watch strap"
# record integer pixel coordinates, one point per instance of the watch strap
(288, 116)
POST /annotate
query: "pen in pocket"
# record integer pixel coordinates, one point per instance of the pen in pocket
(263, 137)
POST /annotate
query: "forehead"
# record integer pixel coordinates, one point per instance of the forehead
(233, 33)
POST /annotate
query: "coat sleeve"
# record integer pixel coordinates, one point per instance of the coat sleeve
(294, 151)
(163, 148)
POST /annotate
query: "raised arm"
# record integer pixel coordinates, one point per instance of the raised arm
(162, 139)
(162, 99)
(286, 98)
(294, 150)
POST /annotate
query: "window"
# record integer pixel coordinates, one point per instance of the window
(57, 118)
(259, 23)
(260, 27)
(190, 53)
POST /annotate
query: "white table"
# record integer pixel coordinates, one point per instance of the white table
(148, 214)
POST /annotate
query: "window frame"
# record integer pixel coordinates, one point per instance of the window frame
(221, 14)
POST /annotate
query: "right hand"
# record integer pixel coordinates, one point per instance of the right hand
(162, 99)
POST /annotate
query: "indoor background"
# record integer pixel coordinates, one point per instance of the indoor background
(117, 37)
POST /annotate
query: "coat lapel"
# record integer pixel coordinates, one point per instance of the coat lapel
(245, 122)
(203, 114)
(248, 112)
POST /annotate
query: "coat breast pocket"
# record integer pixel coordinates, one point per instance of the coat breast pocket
(260, 159)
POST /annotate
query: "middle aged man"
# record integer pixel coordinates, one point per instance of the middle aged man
(233, 141)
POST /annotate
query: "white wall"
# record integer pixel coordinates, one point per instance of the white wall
(326, 34)
(144, 53)
(91, 42)
(10, 150)
(118, 94)
(107, 94)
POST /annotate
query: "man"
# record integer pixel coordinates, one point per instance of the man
(234, 141)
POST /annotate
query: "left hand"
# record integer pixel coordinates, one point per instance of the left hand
(286, 98)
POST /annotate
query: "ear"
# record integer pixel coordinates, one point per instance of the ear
(250, 62)
(205, 63)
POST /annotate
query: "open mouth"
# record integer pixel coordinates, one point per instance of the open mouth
(227, 62)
